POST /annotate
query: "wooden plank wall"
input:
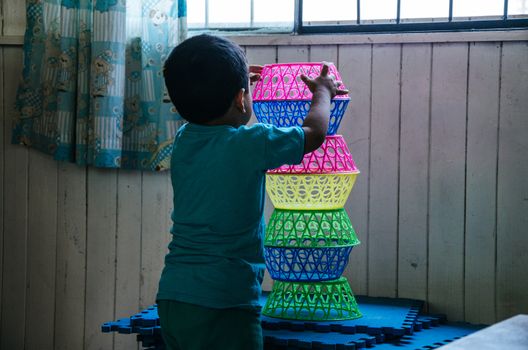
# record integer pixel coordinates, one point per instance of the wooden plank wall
(439, 132)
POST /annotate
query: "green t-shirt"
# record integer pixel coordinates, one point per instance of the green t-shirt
(216, 256)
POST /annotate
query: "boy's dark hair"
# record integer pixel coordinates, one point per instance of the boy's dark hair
(203, 75)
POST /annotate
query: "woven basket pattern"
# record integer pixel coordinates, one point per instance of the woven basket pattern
(306, 264)
(310, 191)
(310, 229)
(332, 157)
(293, 113)
(282, 81)
(321, 301)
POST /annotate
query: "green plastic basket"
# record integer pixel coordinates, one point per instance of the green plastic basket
(310, 229)
(319, 301)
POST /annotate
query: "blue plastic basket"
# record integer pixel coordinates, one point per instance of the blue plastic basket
(292, 113)
(306, 264)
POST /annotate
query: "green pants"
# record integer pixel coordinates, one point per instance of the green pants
(192, 327)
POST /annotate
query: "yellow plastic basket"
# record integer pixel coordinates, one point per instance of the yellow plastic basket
(310, 191)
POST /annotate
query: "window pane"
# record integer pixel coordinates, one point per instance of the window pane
(517, 7)
(378, 9)
(229, 13)
(273, 12)
(424, 9)
(476, 8)
(196, 13)
(329, 10)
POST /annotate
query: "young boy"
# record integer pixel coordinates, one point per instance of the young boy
(209, 290)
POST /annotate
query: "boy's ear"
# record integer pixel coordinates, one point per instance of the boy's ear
(239, 100)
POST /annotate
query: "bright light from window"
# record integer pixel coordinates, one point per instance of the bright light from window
(280, 13)
(196, 13)
(273, 12)
(378, 9)
(518, 7)
(329, 10)
(476, 8)
(424, 9)
(229, 13)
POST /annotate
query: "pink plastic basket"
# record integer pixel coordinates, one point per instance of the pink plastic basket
(282, 81)
(332, 157)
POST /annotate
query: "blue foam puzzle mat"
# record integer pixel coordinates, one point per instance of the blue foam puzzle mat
(394, 317)
(315, 340)
(428, 321)
(429, 333)
(431, 338)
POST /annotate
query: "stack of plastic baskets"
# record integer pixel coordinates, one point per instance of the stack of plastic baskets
(309, 236)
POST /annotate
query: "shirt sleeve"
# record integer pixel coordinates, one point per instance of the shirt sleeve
(282, 145)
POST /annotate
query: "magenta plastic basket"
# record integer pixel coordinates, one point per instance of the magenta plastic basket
(282, 81)
(332, 157)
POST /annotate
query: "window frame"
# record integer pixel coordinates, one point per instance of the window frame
(504, 23)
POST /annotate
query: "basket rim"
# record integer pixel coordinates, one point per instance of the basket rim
(323, 247)
(270, 67)
(338, 281)
(268, 173)
(304, 63)
(337, 97)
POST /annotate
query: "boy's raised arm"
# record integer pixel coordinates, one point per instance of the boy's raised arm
(315, 125)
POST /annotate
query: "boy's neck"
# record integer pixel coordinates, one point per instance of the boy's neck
(229, 118)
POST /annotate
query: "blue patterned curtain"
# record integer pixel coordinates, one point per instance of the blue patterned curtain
(92, 90)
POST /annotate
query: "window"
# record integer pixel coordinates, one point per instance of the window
(325, 16)
(240, 14)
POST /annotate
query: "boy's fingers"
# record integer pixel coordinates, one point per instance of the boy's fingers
(324, 70)
(305, 79)
(253, 77)
(342, 91)
(255, 68)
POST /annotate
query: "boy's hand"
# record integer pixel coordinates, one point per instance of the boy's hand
(315, 126)
(254, 73)
(324, 82)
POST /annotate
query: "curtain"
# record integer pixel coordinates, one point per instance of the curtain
(92, 89)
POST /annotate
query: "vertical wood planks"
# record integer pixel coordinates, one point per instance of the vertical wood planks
(154, 231)
(293, 54)
(483, 114)
(71, 257)
(414, 171)
(12, 327)
(101, 250)
(383, 205)
(261, 56)
(512, 195)
(2, 167)
(447, 178)
(41, 248)
(14, 17)
(355, 67)
(128, 250)
(170, 208)
(320, 53)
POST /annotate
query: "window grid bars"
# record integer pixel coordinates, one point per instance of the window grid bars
(251, 14)
(398, 11)
(206, 13)
(300, 28)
